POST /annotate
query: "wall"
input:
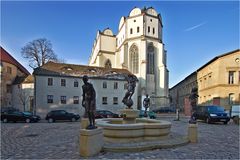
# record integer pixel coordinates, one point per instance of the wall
(213, 81)
(42, 90)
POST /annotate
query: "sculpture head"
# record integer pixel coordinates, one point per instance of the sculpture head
(85, 79)
(147, 95)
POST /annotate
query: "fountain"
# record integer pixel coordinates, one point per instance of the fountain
(135, 134)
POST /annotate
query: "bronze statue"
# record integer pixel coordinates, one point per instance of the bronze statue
(89, 102)
(146, 104)
(193, 100)
(130, 91)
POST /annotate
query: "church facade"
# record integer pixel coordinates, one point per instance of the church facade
(137, 47)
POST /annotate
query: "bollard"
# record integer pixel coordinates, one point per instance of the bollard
(193, 133)
(91, 142)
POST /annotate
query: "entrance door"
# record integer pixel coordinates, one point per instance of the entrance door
(216, 101)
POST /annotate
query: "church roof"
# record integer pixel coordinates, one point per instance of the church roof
(6, 57)
(73, 70)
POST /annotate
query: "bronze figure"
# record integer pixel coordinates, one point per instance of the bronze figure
(89, 102)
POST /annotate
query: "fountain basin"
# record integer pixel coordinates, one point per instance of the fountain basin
(144, 129)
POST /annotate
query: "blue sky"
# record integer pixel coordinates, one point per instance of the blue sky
(193, 32)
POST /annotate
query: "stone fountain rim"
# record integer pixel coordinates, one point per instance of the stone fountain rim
(154, 124)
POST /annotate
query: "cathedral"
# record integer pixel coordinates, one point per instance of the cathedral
(139, 48)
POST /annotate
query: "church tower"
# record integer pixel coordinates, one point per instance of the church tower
(137, 47)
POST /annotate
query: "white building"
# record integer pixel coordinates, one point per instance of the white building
(137, 47)
(23, 93)
(59, 86)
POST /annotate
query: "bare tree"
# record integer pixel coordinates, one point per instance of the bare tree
(23, 97)
(39, 52)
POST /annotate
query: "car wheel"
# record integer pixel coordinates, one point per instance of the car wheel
(208, 120)
(5, 120)
(50, 120)
(73, 119)
(28, 120)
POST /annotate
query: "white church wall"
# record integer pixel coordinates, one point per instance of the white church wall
(108, 43)
(134, 23)
(151, 22)
(95, 52)
(121, 36)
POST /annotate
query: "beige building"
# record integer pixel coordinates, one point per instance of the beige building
(219, 80)
(138, 47)
(59, 86)
(218, 83)
(11, 69)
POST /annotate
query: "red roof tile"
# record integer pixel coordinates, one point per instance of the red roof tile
(6, 57)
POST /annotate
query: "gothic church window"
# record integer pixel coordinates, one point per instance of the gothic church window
(108, 64)
(150, 59)
(134, 58)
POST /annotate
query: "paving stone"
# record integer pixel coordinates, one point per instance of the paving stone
(60, 141)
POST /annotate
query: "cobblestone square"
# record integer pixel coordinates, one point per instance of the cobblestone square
(60, 141)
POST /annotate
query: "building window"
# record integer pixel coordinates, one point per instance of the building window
(9, 88)
(115, 100)
(134, 20)
(50, 81)
(151, 20)
(76, 100)
(49, 98)
(239, 77)
(75, 83)
(137, 29)
(115, 85)
(104, 84)
(134, 59)
(108, 64)
(63, 99)
(231, 77)
(125, 85)
(150, 59)
(153, 30)
(104, 100)
(63, 82)
(231, 98)
(148, 29)
(131, 31)
(9, 70)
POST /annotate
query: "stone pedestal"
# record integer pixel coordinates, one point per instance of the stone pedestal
(91, 142)
(129, 115)
(84, 123)
(193, 133)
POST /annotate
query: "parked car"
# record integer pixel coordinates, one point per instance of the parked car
(150, 114)
(17, 116)
(211, 114)
(235, 111)
(164, 110)
(31, 114)
(105, 114)
(61, 115)
(8, 110)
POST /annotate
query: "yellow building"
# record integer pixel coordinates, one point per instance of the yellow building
(219, 80)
